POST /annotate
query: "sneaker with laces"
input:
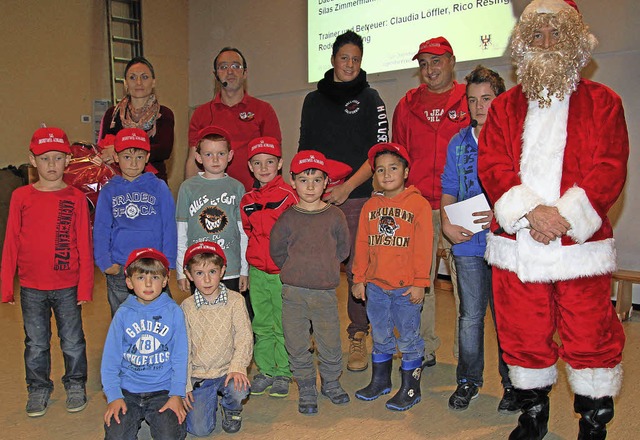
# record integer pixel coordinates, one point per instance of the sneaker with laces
(462, 396)
(508, 404)
(280, 387)
(76, 398)
(231, 420)
(38, 402)
(358, 357)
(260, 384)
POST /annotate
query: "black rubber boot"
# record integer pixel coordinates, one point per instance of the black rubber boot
(596, 413)
(409, 392)
(380, 378)
(534, 404)
(308, 396)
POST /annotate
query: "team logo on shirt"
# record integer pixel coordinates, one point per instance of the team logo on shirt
(246, 116)
(387, 226)
(352, 107)
(213, 220)
(456, 116)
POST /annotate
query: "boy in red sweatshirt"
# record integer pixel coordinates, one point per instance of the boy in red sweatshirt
(393, 257)
(48, 239)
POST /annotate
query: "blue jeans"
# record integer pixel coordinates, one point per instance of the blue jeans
(388, 309)
(36, 314)
(144, 407)
(474, 286)
(201, 420)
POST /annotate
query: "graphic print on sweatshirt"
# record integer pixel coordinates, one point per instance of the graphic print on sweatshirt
(389, 229)
(62, 255)
(133, 204)
(147, 344)
(213, 219)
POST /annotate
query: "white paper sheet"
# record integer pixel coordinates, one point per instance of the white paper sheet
(460, 213)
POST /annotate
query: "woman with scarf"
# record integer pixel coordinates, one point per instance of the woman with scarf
(343, 119)
(140, 109)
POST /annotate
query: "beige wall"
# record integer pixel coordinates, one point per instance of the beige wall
(272, 35)
(55, 63)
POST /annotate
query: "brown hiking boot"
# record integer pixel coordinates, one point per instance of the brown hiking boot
(358, 357)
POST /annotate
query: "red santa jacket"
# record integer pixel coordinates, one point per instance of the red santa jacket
(259, 209)
(572, 155)
(426, 143)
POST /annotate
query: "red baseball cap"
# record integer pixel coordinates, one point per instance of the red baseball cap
(387, 146)
(204, 247)
(49, 139)
(435, 46)
(309, 159)
(152, 253)
(214, 129)
(132, 138)
(266, 144)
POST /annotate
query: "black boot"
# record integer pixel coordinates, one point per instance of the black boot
(534, 404)
(596, 413)
(308, 396)
(409, 392)
(380, 378)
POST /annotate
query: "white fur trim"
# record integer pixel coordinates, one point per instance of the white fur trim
(543, 141)
(536, 262)
(596, 382)
(513, 205)
(530, 378)
(546, 7)
(576, 208)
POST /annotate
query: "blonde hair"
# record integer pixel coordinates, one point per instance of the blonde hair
(556, 70)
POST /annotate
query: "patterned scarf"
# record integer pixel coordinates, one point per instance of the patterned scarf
(144, 118)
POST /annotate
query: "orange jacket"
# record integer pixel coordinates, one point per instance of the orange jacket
(394, 241)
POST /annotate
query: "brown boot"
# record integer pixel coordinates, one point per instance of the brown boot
(358, 357)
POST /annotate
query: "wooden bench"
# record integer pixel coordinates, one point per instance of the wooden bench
(622, 283)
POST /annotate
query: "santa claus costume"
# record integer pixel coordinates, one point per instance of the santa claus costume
(565, 148)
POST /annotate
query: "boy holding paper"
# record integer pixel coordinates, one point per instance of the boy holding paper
(460, 182)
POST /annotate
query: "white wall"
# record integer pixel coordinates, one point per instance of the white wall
(272, 35)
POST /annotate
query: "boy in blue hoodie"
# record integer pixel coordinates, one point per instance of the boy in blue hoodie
(134, 210)
(144, 362)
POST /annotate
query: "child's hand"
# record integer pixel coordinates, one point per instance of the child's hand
(244, 283)
(187, 402)
(416, 294)
(358, 290)
(240, 381)
(183, 284)
(175, 404)
(113, 270)
(113, 410)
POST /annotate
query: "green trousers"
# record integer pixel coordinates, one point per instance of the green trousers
(269, 351)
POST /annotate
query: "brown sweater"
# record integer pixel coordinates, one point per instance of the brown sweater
(220, 338)
(308, 247)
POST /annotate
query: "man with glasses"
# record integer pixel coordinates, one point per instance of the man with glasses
(242, 116)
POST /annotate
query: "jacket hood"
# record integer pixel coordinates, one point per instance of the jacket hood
(158, 304)
(341, 91)
(409, 192)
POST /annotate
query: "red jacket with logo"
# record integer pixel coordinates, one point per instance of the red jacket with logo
(259, 209)
(425, 142)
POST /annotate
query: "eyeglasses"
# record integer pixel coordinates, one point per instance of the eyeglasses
(235, 66)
